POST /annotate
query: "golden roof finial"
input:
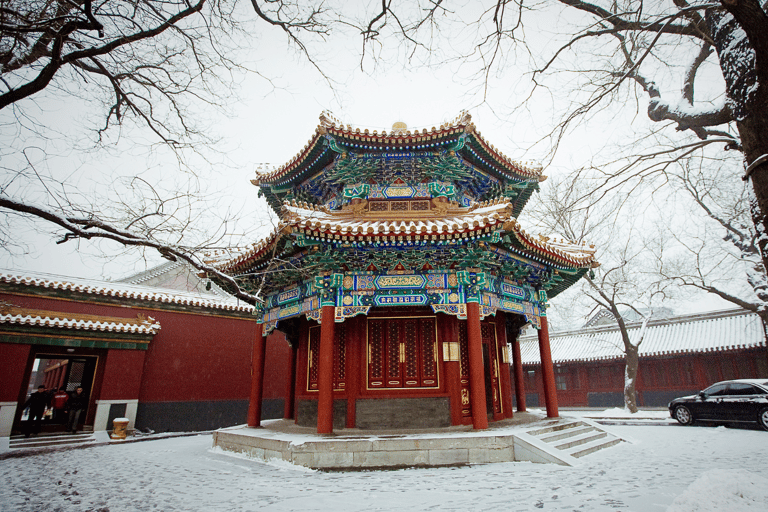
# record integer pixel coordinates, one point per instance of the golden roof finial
(399, 127)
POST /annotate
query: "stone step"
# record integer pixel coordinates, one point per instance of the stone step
(582, 439)
(595, 446)
(21, 442)
(571, 432)
(555, 427)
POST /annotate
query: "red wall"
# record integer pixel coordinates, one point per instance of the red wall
(277, 366)
(13, 361)
(198, 357)
(194, 356)
(122, 374)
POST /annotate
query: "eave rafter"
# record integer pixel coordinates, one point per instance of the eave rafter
(316, 239)
(336, 156)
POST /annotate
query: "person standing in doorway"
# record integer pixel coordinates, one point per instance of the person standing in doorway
(77, 403)
(59, 403)
(37, 403)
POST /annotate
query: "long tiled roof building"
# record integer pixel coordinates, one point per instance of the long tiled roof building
(678, 355)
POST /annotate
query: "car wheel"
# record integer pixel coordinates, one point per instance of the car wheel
(683, 415)
(762, 418)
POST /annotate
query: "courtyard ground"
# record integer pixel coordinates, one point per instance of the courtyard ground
(666, 467)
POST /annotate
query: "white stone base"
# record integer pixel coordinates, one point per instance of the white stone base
(374, 452)
(102, 413)
(7, 413)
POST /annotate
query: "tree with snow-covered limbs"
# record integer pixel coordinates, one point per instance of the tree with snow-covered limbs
(624, 284)
(144, 71)
(699, 68)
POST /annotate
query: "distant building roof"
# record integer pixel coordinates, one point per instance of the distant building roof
(708, 332)
(605, 317)
(121, 290)
(175, 275)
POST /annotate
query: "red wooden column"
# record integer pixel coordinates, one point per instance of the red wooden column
(257, 376)
(506, 385)
(448, 339)
(517, 364)
(62, 376)
(325, 373)
(356, 363)
(547, 371)
(476, 369)
(290, 397)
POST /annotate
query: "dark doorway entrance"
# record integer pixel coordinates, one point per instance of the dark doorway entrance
(54, 372)
(491, 369)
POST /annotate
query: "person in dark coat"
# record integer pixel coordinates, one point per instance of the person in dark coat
(77, 403)
(37, 403)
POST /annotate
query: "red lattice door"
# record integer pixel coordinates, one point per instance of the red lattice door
(491, 366)
(466, 409)
(339, 358)
(402, 353)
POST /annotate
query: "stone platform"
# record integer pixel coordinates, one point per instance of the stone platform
(526, 437)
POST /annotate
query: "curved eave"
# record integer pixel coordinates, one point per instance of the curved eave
(312, 160)
(479, 152)
(486, 157)
(251, 255)
(521, 200)
(568, 280)
(319, 225)
(551, 254)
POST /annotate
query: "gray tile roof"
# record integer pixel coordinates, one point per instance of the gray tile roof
(709, 332)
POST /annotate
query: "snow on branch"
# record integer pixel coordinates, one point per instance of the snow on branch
(91, 227)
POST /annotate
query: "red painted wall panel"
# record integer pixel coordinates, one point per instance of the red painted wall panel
(122, 375)
(277, 366)
(198, 357)
(13, 361)
(70, 306)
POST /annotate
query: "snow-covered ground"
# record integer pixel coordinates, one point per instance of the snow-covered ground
(671, 468)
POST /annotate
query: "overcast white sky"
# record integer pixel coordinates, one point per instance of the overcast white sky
(271, 123)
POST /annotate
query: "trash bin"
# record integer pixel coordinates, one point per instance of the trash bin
(120, 425)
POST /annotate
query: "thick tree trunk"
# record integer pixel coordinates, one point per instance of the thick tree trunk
(763, 314)
(631, 355)
(630, 377)
(754, 138)
(744, 64)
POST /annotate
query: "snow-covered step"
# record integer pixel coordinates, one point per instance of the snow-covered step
(555, 426)
(584, 438)
(570, 440)
(568, 433)
(586, 449)
(46, 441)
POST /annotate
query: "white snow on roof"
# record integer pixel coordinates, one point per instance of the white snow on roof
(709, 332)
(121, 290)
(478, 218)
(130, 325)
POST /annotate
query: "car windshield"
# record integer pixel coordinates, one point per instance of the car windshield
(717, 389)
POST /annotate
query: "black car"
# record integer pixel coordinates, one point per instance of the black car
(731, 401)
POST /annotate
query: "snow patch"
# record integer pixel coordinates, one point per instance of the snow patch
(283, 465)
(734, 490)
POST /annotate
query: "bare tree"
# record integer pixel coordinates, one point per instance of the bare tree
(720, 253)
(623, 283)
(147, 66)
(698, 68)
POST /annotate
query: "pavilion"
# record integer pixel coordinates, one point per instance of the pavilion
(401, 278)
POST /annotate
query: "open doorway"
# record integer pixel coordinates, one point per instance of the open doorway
(57, 374)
